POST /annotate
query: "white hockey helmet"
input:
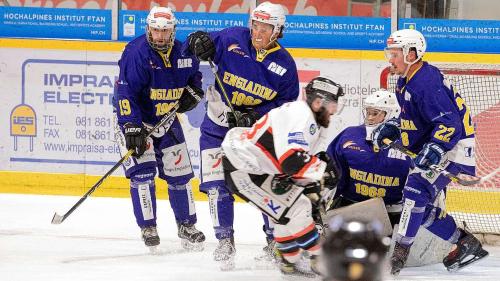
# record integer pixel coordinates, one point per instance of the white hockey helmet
(382, 100)
(161, 18)
(406, 39)
(272, 14)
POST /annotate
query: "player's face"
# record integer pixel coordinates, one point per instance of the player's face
(374, 116)
(261, 35)
(327, 109)
(161, 37)
(396, 59)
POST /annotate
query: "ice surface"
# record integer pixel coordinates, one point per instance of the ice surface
(100, 241)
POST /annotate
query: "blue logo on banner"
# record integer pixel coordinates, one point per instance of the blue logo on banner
(410, 25)
(129, 25)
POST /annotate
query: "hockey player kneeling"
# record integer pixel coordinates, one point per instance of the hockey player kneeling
(270, 166)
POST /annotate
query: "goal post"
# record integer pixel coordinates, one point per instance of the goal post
(479, 205)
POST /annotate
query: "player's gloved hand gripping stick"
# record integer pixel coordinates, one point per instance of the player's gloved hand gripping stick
(435, 168)
(165, 122)
(214, 71)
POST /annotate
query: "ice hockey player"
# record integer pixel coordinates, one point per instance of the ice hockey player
(257, 75)
(151, 80)
(354, 250)
(366, 171)
(271, 166)
(436, 124)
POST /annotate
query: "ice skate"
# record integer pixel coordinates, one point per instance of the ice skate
(191, 238)
(468, 251)
(316, 265)
(225, 253)
(269, 253)
(151, 238)
(289, 269)
(398, 258)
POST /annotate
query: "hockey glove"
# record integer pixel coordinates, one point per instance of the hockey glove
(190, 97)
(201, 45)
(241, 119)
(388, 130)
(331, 176)
(281, 184)
(313, 192)
(431, 154)
(135, 138)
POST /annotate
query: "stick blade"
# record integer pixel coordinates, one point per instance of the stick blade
(57, 219)
(468, 182)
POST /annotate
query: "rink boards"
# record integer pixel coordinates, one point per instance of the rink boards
(56, 117)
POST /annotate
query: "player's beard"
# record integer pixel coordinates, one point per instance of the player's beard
(322, 117)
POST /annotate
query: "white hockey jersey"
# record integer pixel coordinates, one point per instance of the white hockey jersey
(279, 140)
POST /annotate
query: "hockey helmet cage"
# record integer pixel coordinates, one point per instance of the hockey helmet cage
(161, 18)
(382, 100)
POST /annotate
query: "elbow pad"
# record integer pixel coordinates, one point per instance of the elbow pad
(296, 162)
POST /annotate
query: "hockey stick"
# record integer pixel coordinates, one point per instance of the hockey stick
(166, 122)
(214, 71)
(435, 168)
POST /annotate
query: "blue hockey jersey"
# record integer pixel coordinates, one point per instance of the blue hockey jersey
(150, 82)
(260, 81)
(366, 173)
(431, 111)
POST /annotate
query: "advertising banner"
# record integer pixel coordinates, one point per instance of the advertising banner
(91, 24)
(355, 33)
(463, 36)
(57, 114)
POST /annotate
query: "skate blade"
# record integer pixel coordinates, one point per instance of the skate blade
(458, 266)
(192, 247)
(300, 275)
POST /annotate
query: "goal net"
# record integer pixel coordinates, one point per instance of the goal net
(479, 205)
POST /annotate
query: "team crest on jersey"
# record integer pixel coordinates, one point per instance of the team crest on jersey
(235, 48)
(313, 129)
(153, 65)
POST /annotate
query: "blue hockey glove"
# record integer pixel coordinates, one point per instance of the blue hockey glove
(388, 130)
(431, 154)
